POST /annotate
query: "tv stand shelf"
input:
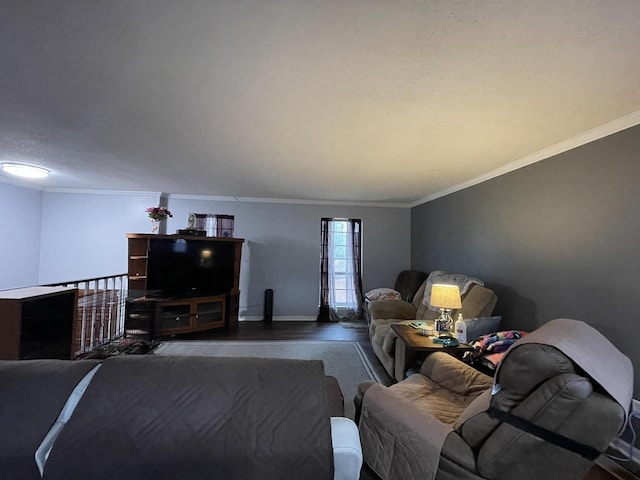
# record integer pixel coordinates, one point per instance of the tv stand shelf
(182, 283)
(153, 316)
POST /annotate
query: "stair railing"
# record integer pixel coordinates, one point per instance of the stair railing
(100, 311)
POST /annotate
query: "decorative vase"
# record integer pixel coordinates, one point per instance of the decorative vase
(155, 225)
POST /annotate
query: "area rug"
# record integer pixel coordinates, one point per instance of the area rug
(344, 360)
(354, 324)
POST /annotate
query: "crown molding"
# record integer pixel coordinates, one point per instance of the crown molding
(217, 198)
(323, 202)
(184, 196)
(584, 138)
(103, 192)
(615, 126)
(293, 201)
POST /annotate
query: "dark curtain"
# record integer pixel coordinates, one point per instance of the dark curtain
(326, 313)
(356, 255)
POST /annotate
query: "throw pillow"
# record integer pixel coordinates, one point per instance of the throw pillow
(382, 294)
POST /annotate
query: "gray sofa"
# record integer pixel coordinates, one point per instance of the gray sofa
(477, 301)
(560, 396)
(146, 417)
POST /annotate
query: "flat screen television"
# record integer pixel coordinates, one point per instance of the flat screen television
(182, 267)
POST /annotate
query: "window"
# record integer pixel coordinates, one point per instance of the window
(340, 282)
(341, 286)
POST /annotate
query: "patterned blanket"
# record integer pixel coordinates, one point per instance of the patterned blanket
(493, 346)
(496, 342)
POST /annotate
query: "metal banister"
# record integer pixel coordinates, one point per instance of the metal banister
(100, 311)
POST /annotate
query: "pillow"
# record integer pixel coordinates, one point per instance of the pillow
(383, 294)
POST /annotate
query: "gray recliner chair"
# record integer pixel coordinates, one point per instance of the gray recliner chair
(560, 396)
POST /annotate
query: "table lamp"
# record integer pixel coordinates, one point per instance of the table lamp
(445, 297)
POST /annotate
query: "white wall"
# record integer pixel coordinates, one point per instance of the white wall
(83, 235)
(20, 214)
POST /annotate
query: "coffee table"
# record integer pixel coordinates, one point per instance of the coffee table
(417, 347)
(419, 343)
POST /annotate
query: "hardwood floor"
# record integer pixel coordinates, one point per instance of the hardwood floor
(334, 331)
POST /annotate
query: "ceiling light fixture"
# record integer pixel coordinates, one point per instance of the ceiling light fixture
(23, 170)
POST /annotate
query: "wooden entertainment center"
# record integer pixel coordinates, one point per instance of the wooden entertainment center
(182, 283)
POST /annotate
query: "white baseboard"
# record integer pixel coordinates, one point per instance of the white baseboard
(258, 318)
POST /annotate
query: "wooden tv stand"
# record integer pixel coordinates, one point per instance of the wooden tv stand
(151, 313)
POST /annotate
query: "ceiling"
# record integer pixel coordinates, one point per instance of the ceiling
(374, 101)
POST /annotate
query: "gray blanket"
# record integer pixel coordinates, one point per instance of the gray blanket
(591, 351)
(145, 417)
(32, 393)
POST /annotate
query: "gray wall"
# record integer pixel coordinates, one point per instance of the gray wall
(20, 215)
(60, 236)
(558, 238)
(282, 248)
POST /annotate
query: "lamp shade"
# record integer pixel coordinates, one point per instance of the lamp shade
(445, 296)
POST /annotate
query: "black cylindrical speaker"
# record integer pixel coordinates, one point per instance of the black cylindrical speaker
(268, 305)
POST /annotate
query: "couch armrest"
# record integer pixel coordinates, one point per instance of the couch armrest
(392, 309)
(455, 375)
(347, 452)
(398, 439)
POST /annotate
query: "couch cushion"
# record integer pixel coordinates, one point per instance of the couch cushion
(428, 396)
(445, 387)
(397, 309)
(455, 375)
